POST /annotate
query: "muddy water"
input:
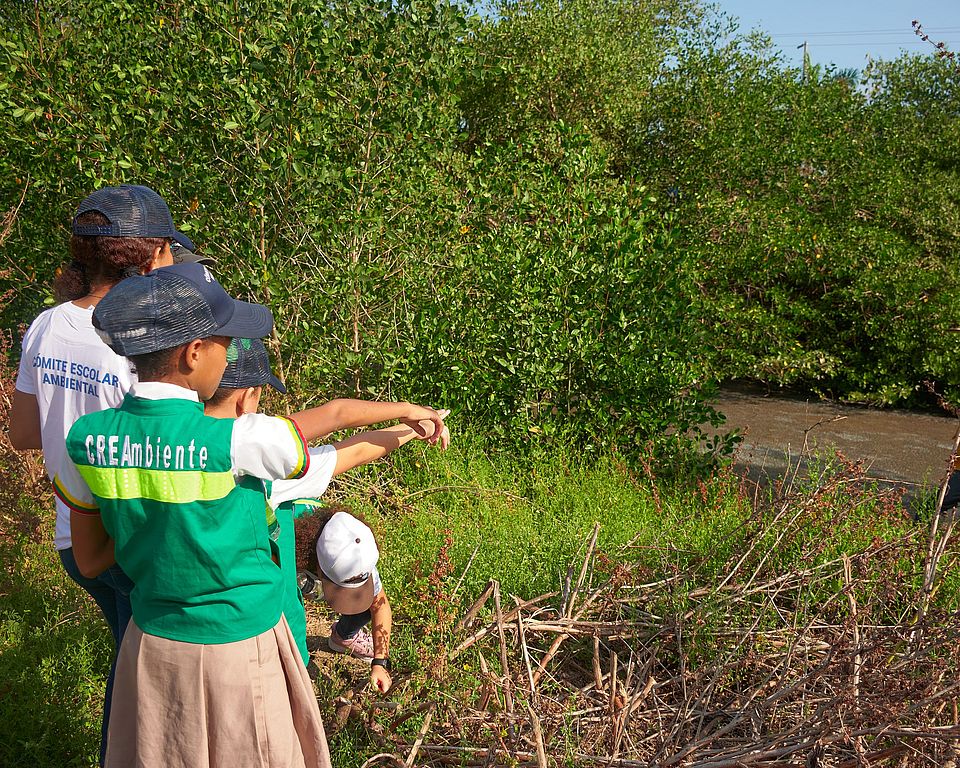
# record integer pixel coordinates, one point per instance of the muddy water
(904, 447)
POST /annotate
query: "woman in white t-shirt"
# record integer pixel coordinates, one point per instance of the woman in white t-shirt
(66, 370)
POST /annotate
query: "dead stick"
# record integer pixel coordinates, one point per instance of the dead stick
(538, 736)
(423, 732)
(597, 674)
(504, 664)
(474, 609)
(555, 646)
(526, 655)
(612, 708)
(480, 634)
(464, 574)
(583, 569)
(852, 600)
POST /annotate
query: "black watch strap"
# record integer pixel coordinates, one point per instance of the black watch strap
(384, 662)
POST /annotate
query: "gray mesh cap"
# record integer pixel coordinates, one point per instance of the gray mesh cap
(172, 306)
(133, 211)
(248, 365)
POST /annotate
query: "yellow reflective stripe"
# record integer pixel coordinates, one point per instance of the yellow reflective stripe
(72, 501)
(303, 460)
(177, 487)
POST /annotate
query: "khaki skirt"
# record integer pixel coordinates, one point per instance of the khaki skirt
(186, 705)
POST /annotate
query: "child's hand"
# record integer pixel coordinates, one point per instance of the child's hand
(418, 414)
(380, 678)
(426, 430)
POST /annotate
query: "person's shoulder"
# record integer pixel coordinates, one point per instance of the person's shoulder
(91, 421)
(67, 325)
(42, 322)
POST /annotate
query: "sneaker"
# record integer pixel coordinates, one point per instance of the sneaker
(360, 645)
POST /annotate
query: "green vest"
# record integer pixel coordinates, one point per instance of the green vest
(193, 540)
(293, 608)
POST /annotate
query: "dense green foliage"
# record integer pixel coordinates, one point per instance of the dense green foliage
(825, 218)
(556, 220)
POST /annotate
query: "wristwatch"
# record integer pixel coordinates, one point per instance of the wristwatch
(384, 662)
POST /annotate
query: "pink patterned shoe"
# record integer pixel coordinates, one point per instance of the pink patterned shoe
(360, 645)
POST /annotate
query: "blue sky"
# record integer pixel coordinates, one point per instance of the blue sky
(846, 32)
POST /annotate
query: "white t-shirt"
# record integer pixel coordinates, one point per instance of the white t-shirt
(323, 460)
(71, 372)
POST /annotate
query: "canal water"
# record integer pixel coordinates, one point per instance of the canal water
(904, 448)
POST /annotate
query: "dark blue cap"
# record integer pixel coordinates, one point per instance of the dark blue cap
(172, 306)
(183, 255)
(133, 211)
(248, 365)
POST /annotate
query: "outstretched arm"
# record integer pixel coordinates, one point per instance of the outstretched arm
(370, 446)
(347, 414)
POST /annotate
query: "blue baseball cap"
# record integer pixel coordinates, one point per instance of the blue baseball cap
(172, 306)
(248, 365)
(133, 211)
(183, 255)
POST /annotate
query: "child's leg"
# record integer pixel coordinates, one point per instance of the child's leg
(349, 624)
(115, 606)
(347, 636)
(101, 592)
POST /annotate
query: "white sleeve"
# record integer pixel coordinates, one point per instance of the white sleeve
(313, 484)
(72, 489)
(268, 447)
(26, 378)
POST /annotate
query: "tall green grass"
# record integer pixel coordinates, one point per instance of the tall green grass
(449, 522)
(55, 653)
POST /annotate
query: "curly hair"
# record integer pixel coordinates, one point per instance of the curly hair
(307, 529)
(102, 259)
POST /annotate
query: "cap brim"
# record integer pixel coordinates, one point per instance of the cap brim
(185, 241)
(348, 600)
(249, 321)
(278, 385)
(184, 255)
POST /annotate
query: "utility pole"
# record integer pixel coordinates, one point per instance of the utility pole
(806, 60)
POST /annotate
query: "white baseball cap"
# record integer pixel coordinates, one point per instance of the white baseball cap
(347, 555)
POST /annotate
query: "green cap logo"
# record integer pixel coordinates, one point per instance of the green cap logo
(233, 351)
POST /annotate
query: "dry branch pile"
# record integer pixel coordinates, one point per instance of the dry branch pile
(749, 671)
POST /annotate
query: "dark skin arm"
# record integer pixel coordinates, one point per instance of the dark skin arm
(92, 545)
(345, 413)
(365, 447)
(381, 624)
(25, 422)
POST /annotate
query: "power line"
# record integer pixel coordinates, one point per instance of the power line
(891, 42)
(930, 32)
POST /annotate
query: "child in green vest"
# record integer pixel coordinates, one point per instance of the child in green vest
(208, 672)
(247, 372)
(67, 371)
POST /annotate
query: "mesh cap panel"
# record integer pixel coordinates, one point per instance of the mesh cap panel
(133, 211)
(139, 316)
(172, 306)
(248, 365)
